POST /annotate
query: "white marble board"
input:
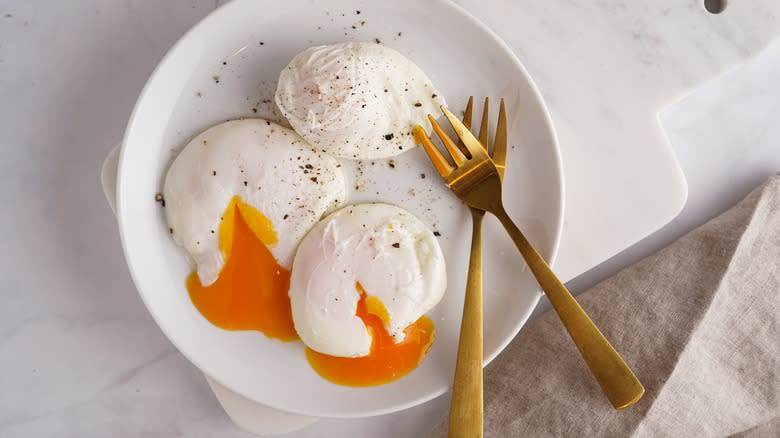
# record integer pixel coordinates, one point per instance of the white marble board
(606, 69)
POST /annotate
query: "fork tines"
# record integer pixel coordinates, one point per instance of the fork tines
(468, 147)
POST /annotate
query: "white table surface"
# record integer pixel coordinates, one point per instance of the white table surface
(79, 355)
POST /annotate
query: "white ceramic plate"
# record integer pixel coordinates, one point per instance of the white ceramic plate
(226, 67)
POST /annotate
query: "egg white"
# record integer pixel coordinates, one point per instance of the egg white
(356, 100)
(270, 167)
(393, 255)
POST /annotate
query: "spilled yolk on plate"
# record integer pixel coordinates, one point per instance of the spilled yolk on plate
(251, 294)
(251, 290)
(386, 360)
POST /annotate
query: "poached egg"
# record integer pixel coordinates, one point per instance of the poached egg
(356, 100)
(239, 198)
(375, 256)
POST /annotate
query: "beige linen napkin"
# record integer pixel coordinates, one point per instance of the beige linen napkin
(699, 322)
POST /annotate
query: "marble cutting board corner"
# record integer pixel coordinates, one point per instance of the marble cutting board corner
(606, 69)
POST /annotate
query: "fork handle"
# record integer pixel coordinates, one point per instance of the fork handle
(616, 379)
(466, 408)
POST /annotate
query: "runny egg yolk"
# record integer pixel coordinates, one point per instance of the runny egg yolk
(386, 360)
(251, 290)
(251, 294)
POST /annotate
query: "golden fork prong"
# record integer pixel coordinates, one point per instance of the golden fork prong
(467, 123)
(475, 148)
(500, 142)
(457, 156)
(439, 162)
(484, 131)
(468, 112)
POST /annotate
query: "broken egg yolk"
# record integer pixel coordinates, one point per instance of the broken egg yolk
(251, 290)
(386, 360)
(251, 294)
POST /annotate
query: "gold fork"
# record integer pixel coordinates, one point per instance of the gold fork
(475, 180)
(466, 409)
